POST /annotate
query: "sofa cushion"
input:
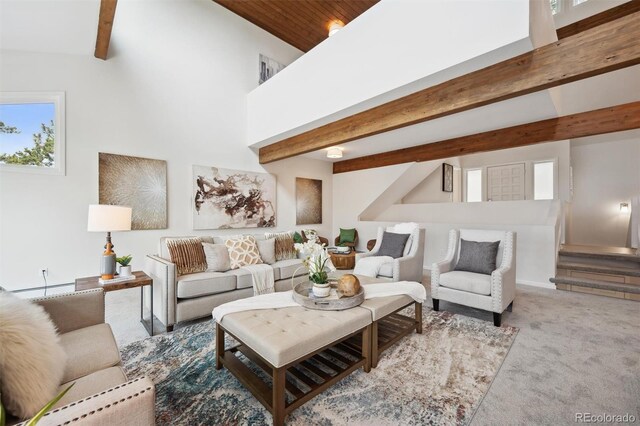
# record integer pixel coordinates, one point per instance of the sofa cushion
(467, 281)
(217, 257)
(393, 244)
(89, 349)
(243, 278)
(32, 358)
(286, 268)
(203, 283)
(477, 256)
(92, 384)
(243, 251)
(267, 249)
(187, 254)
(386, 270)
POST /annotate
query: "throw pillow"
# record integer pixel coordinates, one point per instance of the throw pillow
(267, 249)
(347, 236)
(217, 257)
(284, 245)
(297, 238)
(477, 256)
(32, 361)
(392, 244)
(406, 228)
(187, 254)
(243, 251)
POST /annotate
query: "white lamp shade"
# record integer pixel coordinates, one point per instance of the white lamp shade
(105, 218)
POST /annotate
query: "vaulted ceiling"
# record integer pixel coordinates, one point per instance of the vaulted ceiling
(301, 23)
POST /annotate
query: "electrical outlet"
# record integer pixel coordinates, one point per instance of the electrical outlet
(44, 270)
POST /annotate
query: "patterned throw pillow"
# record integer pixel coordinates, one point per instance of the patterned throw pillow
(284, 245)
(243, 251)
(187, 254)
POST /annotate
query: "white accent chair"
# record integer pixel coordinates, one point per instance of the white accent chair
(409, 267)
(494, 292)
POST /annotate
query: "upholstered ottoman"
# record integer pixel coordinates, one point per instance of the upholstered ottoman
(304, 352)
(388, 326)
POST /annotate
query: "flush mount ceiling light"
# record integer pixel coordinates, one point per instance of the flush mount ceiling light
(334, 152)
(334, 27)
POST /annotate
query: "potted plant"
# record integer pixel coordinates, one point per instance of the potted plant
(125, 268)
(317, 260)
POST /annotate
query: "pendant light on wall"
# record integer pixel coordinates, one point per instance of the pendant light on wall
(334, 152)
(334, 27)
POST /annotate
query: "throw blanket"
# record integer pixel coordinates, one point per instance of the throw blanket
(285, 299)
(370, 266)
(262, 276)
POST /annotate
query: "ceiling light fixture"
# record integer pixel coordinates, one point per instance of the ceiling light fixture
(334, 27)
(624, 208)
(334, 152)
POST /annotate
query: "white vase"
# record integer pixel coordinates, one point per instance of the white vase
(125, 271)
(321, 290)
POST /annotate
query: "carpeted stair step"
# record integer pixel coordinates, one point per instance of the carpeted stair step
(596, 284)
(627, 271)
(612, 254)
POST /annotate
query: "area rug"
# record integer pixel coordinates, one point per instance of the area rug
(439, 377)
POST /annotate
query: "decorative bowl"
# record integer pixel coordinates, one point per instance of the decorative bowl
(343, 249)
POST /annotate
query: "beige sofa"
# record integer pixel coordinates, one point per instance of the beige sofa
(191, 296)
(102, 394)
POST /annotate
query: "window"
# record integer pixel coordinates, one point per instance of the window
(543, 180)
(577, 2)
(555, 6)
(32, 132)
(474, 185)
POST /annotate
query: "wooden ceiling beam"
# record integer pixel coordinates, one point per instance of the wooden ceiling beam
(105, 25)
(596, 51)
(601, 121)
(608, 15)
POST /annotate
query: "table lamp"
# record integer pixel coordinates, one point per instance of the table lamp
(105, 218)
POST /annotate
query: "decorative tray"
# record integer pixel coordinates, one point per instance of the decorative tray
(303, 295)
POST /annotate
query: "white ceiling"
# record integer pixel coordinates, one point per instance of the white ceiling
(63, 26)
(618, 87)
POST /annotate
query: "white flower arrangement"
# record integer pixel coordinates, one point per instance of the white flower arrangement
(316, 259)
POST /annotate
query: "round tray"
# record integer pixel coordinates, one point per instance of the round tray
(303, 296)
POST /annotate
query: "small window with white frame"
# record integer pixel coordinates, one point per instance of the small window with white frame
(32, 134)
(555, 6)
(577, 2)
(544, 180)
(473, 185)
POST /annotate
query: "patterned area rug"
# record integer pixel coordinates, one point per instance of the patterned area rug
(439, 377)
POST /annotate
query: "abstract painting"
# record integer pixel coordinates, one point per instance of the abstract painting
(308, 201)
(268, 68)
(139, 183)
(447, 177)
(224, 199)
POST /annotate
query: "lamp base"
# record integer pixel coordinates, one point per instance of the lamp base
(108, 261)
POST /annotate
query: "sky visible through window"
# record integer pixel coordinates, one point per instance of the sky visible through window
(28, 119)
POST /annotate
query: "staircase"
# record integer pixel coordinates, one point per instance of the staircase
(605, 271)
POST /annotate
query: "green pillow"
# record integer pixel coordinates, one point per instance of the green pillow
(297, 238)
(347, 236)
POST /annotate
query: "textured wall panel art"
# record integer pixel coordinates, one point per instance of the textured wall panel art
(308, 201)
(139, 183)
(224, 199)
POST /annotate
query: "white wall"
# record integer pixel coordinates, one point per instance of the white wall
(175, 90)
(606, 172)
(395, 48)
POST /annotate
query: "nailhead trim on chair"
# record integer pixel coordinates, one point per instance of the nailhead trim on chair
(75, 419)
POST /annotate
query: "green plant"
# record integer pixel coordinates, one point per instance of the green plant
(320, 277)
(35, 419)
(124, 260)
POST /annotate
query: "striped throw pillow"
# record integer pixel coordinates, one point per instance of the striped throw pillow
(284, 245)
(187, 254)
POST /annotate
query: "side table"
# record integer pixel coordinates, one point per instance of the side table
(141, 280)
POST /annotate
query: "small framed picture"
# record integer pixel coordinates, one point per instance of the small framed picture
(447, 177)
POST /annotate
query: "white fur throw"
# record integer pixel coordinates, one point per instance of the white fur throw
(32, 360)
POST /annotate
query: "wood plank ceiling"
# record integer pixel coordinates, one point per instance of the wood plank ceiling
(301, 23)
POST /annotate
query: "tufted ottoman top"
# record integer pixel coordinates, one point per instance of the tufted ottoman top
(382, 306)
(284, 335)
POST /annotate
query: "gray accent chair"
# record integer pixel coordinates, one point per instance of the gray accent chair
(493, 293)
(102, 394)
(410, 266)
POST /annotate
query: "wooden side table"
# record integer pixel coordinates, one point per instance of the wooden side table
(141, 280)
(343, 261)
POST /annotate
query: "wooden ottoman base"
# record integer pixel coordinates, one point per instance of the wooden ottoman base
(301, 379)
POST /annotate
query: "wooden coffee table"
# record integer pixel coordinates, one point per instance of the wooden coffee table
(343, 261)
(141, 280)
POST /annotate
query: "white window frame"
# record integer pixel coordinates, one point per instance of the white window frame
(58, 99)
(483, 184)
(556, 174)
